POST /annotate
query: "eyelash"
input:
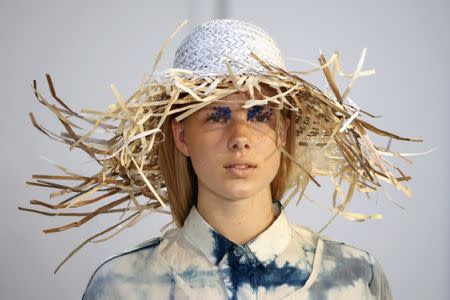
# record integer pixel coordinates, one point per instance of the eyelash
(266, 117)
(213, 117)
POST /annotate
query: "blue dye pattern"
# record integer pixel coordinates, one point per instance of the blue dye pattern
(246, 269)
(156, 270)
(271, 276)
(199, 278)
(347, 272)
(258, 111)
(172, 288)
(221, 246)
(221, 112)
(257, 275)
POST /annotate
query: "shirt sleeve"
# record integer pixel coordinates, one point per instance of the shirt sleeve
(379, 285)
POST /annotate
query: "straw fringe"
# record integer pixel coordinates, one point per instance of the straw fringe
(332, 141)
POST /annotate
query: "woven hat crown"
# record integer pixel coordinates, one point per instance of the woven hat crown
(206, 49)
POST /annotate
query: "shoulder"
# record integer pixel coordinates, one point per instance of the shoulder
(334, 255)
(348, 264)
(341, 257)
(118, 263)
(305, 235)
(129, 272)
(330, 249)
(334, 249)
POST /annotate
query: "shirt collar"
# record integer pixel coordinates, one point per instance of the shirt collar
(265, 247)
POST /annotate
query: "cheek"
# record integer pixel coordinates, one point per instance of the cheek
(199, 156)
(274, 161)
(271, 156)
(202, 153)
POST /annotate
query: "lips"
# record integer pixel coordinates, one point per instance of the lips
(240, 169)
(240, 165)
(244, 166)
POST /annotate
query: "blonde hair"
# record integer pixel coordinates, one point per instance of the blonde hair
(181, 180)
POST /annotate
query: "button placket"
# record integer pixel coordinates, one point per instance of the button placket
(238, 251)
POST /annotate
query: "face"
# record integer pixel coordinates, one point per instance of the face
(233, 150)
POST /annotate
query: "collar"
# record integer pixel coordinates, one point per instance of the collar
(265, 247)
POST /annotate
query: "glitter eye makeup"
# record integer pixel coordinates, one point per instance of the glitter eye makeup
(259, 113)
(221, 113)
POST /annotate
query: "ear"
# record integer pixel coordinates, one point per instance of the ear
(179, 137)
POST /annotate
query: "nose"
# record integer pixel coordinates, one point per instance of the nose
(239, 138)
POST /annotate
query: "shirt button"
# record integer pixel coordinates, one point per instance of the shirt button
(238, 251)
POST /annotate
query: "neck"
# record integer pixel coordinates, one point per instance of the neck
(239, 220)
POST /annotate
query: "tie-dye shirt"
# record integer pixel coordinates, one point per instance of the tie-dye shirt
(286, 261)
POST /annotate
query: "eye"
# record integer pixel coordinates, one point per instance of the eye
(262, 118)
(259, 114)
(221, 113)
(214, 118)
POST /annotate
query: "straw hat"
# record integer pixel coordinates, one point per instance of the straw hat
(217, 59)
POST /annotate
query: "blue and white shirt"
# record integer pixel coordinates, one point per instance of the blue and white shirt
(286, 261)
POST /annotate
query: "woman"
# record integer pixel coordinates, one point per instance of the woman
(221, 138)
(234, 240)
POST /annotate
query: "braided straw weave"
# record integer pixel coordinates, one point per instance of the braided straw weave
(216, 60)
(205, 50)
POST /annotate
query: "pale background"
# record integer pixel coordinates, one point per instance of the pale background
(86, 45)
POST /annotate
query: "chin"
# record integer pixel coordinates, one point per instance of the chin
(237, 191)
(238, 195)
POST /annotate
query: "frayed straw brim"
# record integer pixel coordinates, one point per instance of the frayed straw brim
(332, 140)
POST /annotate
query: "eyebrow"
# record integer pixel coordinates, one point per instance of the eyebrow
(252, 112)
(216, 107)
(223, 111)
(221, 107)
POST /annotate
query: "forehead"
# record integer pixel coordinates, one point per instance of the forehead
(234, 101)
